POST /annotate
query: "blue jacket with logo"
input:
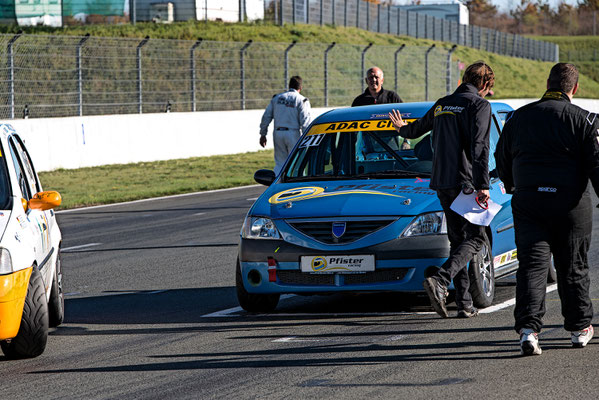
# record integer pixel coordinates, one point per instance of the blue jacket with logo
(461, 125)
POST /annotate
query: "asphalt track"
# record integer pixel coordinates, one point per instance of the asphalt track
(151, 313)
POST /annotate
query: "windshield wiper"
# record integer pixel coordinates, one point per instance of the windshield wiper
(393, 173)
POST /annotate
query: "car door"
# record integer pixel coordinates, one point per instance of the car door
(39, 221)
(502, 226)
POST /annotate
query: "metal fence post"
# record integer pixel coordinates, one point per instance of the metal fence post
(396, 66)
(363, 59)
(326, 74)
(287, 62)
(293, 6)
(426, 71)
(448, 79)
(11, 72)
(333, 12)
(307, 11)
(139, 77)
(378, 18)
(344, 12)
(242, 71)
(388, 19)
(357, 13)
(367, 16)
(321, 13)
(192, 67)
(281, 18)
(132, 11)
(79, 73)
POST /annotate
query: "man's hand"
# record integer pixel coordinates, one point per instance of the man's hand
(262, 141)
(395, 117)
(405, 145)
(483, 195)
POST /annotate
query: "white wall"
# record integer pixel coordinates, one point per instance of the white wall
(77, 142)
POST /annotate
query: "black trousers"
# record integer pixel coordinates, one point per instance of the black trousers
(465, 239)
(558, 223)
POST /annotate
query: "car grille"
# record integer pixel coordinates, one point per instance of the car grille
(323, 230)
(303, 278)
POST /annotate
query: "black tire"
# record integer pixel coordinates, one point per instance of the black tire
(552, 275)
(33, 332)
(56, 303)
(253, 302)
(482, 277)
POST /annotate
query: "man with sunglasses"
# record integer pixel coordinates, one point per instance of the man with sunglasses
(546, 154)
(461, 125)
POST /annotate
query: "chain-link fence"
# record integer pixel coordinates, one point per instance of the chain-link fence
(391, 19)
(53, 76)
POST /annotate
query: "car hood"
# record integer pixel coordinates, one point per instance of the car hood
(376, 197)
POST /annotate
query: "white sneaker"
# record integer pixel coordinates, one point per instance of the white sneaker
(581, 338)
(529, 343)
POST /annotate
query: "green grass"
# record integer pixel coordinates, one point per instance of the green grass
(126, 182)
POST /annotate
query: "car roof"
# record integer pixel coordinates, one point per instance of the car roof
(381, 111)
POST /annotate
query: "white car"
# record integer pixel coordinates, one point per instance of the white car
(31, 294)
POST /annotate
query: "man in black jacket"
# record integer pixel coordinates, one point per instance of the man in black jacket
(460, 139)
(545, 156)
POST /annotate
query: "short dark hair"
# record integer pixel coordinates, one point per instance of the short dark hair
(479, 74)
(563, 76)
(295, 82)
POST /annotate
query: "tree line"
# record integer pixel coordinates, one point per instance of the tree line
(537, 17)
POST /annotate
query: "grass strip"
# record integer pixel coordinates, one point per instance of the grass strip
(125, 182)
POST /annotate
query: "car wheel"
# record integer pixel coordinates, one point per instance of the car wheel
(552, 275)
(482, 277)
(56, 303)
(253, 302)
(33, 332)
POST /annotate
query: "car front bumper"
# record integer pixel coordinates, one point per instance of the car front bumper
(13, 290)
(400, 266)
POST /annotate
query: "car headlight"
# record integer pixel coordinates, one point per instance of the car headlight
(426, 224)
(5, 261)
(259, 228)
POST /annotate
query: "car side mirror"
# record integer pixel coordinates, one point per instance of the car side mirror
(45, 200)
(265, 177)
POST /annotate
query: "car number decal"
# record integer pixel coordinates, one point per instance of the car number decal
(313, 192)
(311, 140)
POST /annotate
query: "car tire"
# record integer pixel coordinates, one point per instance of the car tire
(482, 277)
(33, 331)
(253, 302)
(56, 303)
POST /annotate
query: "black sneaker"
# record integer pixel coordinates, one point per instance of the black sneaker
(468, 312)
(437, 294)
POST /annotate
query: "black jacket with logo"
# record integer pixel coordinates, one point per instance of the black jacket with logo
(461, 125)
(383, 97)
(549, 145)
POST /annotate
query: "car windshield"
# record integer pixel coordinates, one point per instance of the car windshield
(339, 151)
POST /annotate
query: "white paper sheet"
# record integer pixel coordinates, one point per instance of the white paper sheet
(466, 206)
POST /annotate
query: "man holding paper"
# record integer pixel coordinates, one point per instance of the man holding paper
(546, 155)
(460, 140)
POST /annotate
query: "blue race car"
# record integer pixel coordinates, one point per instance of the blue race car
(351, 211)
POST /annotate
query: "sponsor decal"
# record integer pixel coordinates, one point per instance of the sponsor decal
(447, 110)
(420, 180)
(352, 126)
(547, 189)
(502, 259)
(502, 187)
(314, 192)
(318, 264)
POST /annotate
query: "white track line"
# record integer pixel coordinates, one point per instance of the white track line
(67, 249)
(155, 198)
(510, 302)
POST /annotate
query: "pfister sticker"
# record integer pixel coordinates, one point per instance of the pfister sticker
(337, 264)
